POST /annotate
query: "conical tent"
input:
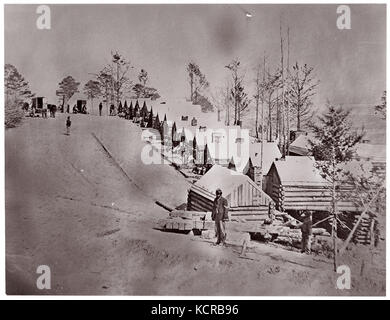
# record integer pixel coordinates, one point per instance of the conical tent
(131, 110)
(136, 109)
(165, 132)
(194, 149)
(206, 156)
(183, 136)
(174, 134)
(156, 124)
(150, 121)
(120, 107)
(125, 109)
(144, 110)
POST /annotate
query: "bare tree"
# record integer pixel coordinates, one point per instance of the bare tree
(120, 75)
(222, 100)
(197, 80)
(238, 94)
(257, 96)
(105, 79)
(271, 85)
(301, 89)
(143, 79)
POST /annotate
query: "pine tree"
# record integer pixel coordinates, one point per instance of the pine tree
(92, 90)
(17, 92)
(68, 87)
(333, 147)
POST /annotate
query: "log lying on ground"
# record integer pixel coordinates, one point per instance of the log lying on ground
(164, 206)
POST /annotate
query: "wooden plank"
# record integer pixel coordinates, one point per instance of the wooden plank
(209, 225)
(318, 208)
(169, 225)
(198, 225)
(188, 225)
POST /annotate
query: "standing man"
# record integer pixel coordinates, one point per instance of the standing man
(68, 124)
(100, 109)
(44, 111)
(306, 229)
(220, 215)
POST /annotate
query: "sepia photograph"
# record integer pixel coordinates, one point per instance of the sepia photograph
(195, 150)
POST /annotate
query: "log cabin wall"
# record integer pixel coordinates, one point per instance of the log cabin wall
(302, 195)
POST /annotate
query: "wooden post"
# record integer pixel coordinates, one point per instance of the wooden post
(334, 236)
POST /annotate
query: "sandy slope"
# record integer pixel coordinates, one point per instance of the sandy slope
(70, 207)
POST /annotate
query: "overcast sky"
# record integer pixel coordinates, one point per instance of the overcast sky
(162, 38)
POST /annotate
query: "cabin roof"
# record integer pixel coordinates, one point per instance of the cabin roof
(298, 170)
(225, 179)
(301, 145)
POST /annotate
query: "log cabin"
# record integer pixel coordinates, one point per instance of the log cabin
(246, 199)
(295, 184)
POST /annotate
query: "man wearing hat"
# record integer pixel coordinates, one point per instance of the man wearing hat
(306, 229)
(220, 215)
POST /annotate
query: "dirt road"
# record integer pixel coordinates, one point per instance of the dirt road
(70, 207)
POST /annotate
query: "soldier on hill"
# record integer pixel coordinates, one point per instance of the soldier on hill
(68, 124)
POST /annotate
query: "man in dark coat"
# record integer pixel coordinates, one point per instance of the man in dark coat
(100, 108)
(68, 124)
(306, 229)
(220, 215)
